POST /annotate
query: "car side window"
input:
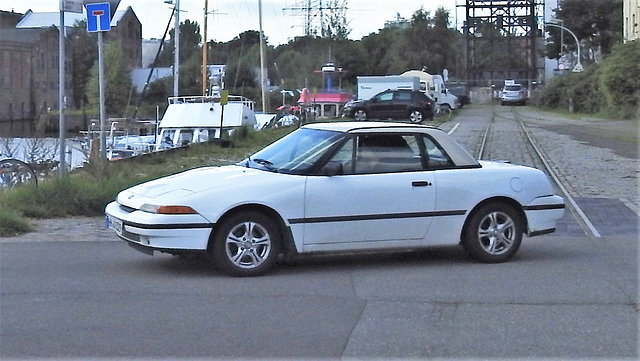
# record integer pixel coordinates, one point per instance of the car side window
(436, 157)
(402, 96)
(379, 153)
(384, 97)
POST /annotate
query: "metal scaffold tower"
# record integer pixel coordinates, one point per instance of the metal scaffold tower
(316, 13)
(504, 40)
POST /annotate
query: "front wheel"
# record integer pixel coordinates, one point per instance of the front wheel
(360, 114)
(246, 244)
(494, 233)
(416, 116)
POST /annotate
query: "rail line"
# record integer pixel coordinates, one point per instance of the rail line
(585, 224)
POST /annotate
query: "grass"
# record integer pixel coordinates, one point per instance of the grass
(86, 191)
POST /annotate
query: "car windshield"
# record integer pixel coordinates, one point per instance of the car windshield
(512, 87)
(296, 153)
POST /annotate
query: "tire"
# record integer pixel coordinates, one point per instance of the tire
(246, 244)
(360, 114)
(493, 233)
(416, 116)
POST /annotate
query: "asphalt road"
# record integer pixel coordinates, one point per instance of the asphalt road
(561, 297)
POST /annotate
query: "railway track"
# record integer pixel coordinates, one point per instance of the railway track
(506, 136)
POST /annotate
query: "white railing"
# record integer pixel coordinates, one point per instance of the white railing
(208, 99)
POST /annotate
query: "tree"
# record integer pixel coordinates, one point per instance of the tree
(596, 23)
(83, 54)
(190, 40)
(337, 27)
(118, 83)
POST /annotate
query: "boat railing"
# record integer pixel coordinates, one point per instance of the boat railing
(209, 99)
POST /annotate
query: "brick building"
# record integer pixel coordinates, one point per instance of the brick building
(29, 80)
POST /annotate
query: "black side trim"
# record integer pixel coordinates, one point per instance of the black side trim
(169, 226)
(369, 217)
(544, 207)
(540, 233)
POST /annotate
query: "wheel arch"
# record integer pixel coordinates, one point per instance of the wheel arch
(506, 200)
(288, 244)
(359, 108)
(413, 109)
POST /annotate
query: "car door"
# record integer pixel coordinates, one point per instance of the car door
(375, 203)
(400, 105)
(380, 106)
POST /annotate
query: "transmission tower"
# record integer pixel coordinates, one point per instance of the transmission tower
(503, 40)
(314, 13)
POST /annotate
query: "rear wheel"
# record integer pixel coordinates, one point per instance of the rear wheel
(360, 114)
(246, 244)
(416, 116)
(494, 233)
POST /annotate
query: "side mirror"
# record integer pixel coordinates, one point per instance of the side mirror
(332, 168)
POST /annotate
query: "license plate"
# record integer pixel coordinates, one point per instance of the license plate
(114, 224)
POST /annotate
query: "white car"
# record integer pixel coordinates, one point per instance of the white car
(340, 187)
(513, 94)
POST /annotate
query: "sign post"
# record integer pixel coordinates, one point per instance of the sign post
(99, 20)
(224, 99)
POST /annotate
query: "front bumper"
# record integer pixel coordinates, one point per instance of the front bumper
(161, 232)
(543, 214)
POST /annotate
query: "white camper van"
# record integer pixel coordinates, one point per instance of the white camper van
(434, 86)
(368, 86)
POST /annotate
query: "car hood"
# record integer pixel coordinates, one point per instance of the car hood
(354, 102)
(172, 189)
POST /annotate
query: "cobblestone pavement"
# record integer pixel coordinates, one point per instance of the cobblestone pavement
(587, 171)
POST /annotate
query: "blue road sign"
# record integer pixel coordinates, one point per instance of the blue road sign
(98, 17)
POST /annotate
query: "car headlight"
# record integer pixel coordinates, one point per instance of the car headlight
(164, 209)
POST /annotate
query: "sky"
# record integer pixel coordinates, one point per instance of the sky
(281, 23)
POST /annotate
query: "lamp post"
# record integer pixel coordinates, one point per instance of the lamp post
(578, 67)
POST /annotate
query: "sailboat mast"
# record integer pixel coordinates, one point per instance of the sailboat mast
(262, 75)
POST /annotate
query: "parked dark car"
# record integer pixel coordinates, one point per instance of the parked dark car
(392, 104)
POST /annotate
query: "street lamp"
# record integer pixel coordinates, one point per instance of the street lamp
(578, 68)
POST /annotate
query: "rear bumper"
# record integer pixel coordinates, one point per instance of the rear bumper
(543, 214)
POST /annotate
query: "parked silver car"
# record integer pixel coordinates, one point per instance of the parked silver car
(514, 94)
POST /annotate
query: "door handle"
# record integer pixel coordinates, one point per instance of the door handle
(421, 184)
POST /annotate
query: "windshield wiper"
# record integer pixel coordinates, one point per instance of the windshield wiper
(265, 163)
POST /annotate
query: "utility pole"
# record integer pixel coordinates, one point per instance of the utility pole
(176, 66)
(264, 97)
(204, 50)
(61, 95)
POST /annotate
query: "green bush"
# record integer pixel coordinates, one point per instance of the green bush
(619, 78)
(611, 87)
(12, 224)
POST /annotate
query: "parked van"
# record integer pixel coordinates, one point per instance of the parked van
(434, 86)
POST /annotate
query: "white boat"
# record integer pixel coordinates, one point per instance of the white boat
(195, 119)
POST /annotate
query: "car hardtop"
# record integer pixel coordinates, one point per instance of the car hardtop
(346, 127)
(459, 155)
